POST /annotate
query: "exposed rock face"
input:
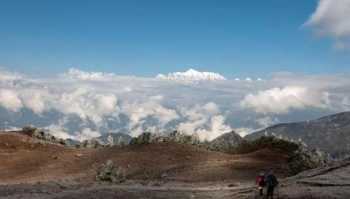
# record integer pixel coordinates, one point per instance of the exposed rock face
(330, 134)
(226, 141)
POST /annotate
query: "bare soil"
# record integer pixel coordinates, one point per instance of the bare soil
(30, 168)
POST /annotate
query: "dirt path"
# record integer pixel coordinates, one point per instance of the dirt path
(169, 191)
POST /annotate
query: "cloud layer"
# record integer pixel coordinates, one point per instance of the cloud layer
(80, 105)
(282, 100)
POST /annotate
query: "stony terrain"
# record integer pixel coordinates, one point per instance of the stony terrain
(331, 181)
(28, 164)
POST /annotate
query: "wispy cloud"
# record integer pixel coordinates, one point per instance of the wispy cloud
(331, 18)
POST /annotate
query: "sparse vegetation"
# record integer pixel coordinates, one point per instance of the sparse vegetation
(183, 138)
(42, 135)
(91, 144)
(303, 159)
(299, 157)
(175, 136)
(269, 142)
(29, 130)
(144, 138)
(108, 172)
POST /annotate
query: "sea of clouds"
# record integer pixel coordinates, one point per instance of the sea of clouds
(81, 105)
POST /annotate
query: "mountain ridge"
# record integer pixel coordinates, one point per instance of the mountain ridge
(329, 133)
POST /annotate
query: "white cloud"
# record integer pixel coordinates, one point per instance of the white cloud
(266, 121)
(87, 134)
(77, 74)
(204, 121)
(243, 131)
(248, 79)
(87, 104)
(192, 75)
(80, 108)
(138, 114)
(282, 100)
(331, 18)
(10, 100)
(59, 132)
(35, 99)
(346, 103)
(8, 76)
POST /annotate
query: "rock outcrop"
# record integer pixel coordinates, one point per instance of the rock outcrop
(226, 142)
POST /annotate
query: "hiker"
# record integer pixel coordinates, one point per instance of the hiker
(260, 182)
(271, 182)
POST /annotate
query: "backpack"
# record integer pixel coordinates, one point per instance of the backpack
(272, 181)
(261, 181)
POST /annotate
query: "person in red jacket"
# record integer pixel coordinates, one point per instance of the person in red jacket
(260, 182)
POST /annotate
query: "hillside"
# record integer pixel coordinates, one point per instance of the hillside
(34, 168)
(226, 141)
(27, 160)
(330, 134)
(331, 181)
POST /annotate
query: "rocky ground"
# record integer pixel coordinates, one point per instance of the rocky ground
(31, 168)
(127, 191)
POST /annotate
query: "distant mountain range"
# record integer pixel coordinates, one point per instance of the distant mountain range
(192, 75)
(330, 134)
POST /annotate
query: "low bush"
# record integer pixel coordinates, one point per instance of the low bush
(300, 158)
(269, 142)
(108, 172)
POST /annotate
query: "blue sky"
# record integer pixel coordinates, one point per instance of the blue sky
(53, 55)
(144, 38)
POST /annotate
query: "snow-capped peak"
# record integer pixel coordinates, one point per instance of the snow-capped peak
(192, 75)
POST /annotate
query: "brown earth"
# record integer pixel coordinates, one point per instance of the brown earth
(27, 160)
(30, 168)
